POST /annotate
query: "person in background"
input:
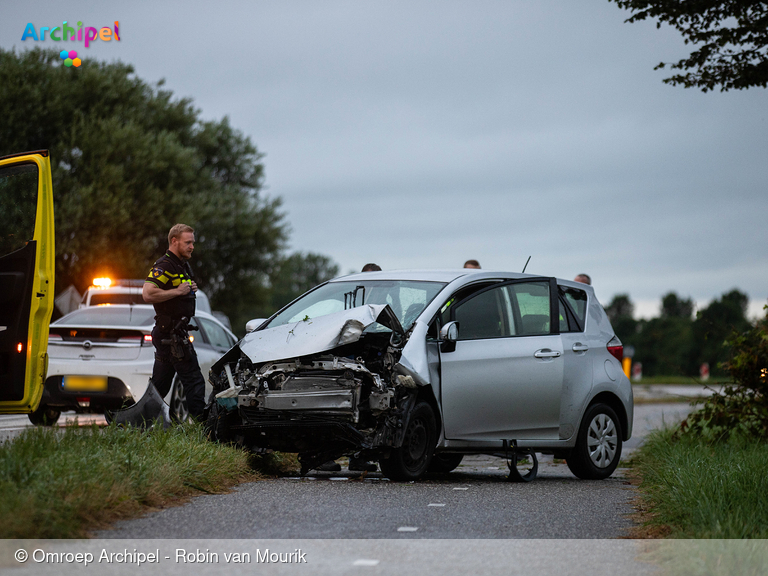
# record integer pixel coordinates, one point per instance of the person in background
(371, 267)
(584, 279)
(472, 264)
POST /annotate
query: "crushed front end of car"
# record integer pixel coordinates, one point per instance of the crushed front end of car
(322, 387)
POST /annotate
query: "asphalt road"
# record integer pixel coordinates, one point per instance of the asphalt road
(475, 501)
(472, 521)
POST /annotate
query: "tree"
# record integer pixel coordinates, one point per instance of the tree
(298, 273)
(664, 345)
(621, 314)
(674, 307)
(733, 35)
(129, 161)
(715, 323)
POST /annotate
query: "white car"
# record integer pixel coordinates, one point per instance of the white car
(101, 358)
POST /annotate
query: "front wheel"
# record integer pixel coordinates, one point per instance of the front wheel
(44, 416)
(412, 459)
(598, 445)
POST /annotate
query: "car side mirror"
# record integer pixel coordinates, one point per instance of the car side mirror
(449, 332)
(251, 325)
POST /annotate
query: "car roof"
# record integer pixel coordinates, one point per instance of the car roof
(430, 275)
(62, 321)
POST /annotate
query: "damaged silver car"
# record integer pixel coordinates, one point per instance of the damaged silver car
(415, 369)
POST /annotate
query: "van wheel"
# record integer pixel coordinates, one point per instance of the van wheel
(44, 416)
(598, 445)
(412, 459)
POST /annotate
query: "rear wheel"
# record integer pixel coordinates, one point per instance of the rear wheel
(412, 459)
(598, 445)
(178, 401)
(44, 416)
(444, 463)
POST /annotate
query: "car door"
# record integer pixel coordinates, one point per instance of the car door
(26, 278)
(504, 378)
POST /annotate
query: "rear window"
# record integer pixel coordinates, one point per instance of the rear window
(577, 299)
(110, 316)
(100, 298)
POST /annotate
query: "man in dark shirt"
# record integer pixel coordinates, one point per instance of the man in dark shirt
(170, 288)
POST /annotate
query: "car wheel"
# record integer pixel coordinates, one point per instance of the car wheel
(44, 416)
(411, 460)
(598, 445)
(444, 463)
(178, 401)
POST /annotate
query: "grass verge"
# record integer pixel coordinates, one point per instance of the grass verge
(696, 490)
(66, 484)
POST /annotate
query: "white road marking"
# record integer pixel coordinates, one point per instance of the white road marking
(407, 529)
(364, 562)
(461, 488)
(437, 505)
(337, 478)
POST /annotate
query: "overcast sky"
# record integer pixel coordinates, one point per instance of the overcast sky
(420, 134)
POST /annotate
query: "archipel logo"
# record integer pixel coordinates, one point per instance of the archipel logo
(70, 58)
(68, 33)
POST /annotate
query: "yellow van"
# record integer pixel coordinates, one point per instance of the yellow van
(26, 278)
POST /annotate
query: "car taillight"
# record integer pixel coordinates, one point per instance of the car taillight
(616, 349)
(147, 339)
(53, 337)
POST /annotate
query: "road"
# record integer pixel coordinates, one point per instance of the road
(470, 521)
(475, 501)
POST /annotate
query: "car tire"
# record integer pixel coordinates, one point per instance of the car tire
(444, 463)
(44, 416)
(598, 445)
(178, 401)
(411, 460)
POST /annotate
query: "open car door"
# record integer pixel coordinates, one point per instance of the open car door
(26, 278)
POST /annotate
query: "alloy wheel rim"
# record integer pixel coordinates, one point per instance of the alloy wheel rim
(602, 440)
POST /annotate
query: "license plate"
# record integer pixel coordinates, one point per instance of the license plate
(85, 383)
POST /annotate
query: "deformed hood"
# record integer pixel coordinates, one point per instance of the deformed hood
(315, 335)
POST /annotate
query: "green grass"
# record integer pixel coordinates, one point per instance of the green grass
(697, 490)
(67, 484)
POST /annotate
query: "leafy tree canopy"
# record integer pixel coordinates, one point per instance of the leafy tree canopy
(129, 160)
(732, 36)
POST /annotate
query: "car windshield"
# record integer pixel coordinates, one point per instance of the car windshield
(407, 298)
(110, 316)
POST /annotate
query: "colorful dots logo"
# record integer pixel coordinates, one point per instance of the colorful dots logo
(70, 58)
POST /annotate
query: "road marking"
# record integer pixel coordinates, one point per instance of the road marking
(364, 562)
(461, 488)
(337, 478)
(437, 505)
(407, 529)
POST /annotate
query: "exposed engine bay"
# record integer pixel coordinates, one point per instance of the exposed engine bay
(351, 396)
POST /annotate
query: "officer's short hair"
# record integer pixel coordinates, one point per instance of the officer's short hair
(177, 230)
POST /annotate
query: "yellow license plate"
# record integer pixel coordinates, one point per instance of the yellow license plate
(85, 383)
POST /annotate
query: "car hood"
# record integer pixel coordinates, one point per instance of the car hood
(315, 335)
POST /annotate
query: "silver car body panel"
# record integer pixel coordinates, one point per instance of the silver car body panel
(489, 393)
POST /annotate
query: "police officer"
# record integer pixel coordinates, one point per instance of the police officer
(170, 288)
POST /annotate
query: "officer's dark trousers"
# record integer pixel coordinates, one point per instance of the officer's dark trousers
(187, 368)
